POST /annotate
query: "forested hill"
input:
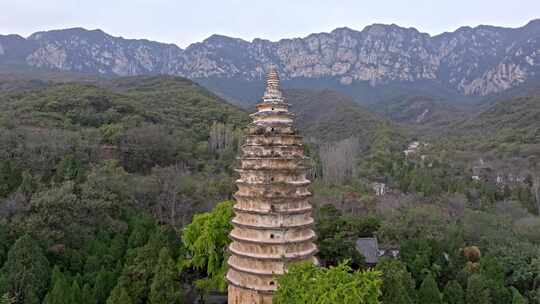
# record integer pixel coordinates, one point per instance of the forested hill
(508, 128)
(164, 100)
(330, 116)
(105, 186)
(142, 122)
(419, 111)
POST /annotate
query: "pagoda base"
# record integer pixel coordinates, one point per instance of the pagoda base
(239, 295)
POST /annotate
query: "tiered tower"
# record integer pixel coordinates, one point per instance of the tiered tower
(272, 226)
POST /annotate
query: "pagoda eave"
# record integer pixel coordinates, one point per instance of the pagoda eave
(282, 227)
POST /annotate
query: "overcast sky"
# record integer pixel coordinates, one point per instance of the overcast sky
(184, 22)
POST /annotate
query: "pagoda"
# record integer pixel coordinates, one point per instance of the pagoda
(272, 223)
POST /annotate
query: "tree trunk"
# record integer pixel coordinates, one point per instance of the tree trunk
(536, 192)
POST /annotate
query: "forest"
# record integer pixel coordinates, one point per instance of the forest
(120, 191)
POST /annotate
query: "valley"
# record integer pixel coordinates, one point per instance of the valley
(119, 161)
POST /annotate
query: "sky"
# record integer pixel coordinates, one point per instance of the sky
(185, 22)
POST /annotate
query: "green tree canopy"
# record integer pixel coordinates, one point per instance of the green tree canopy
(453, 293)
(477, 291)
(429, 291)
(307, 283)
(206, 240)
(61, 292)
(119, 296)
(25, 275)
(165, 288)
(7, 299)
(398, 285)
(337, 234)
(517, 298)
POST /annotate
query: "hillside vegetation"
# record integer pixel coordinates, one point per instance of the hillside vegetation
(510, 126)
(331, 116)
(106, 187)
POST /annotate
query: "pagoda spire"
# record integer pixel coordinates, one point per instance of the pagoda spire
(272, 223)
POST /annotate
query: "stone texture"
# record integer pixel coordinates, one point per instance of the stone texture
(272, 223)
(473, 61)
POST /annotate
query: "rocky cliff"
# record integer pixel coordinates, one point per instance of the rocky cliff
(472, 61)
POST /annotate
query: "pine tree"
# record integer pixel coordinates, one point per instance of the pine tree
(4, 244)
(164, 288)
(119, 295)
(76, 292)
(398, 284)
(61, 292)
(7, 299)
(429, 292)
(117, 247)
(25, 274)
(517, 298)
(87, 295)
(103, 285)
(10, 177)
(477, 291)
(138, 272)
(453, 293)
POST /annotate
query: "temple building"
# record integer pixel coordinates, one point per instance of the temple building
(272, 223)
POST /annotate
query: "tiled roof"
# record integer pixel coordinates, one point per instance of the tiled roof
(369, 248)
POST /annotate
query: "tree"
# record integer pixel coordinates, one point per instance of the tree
(139, 269)
(119, 295)
(453, 293)
(165, 288)
(76, 292)
(307, 283)
(517, 298)
(7, 299)
(398, 286)
(429, 291)
(477, 291)
(10, 177)
(4, 243)
(105, 282)
(535, 296)
(206, 240)
(61, 292)
(338, 160)
(25, 275)
(171, 205)
(337, 235)
(69, 168)
(87, 295)
(420, 256)
(493, 273)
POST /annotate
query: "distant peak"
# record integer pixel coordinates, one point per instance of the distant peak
(222, 38)
(66, 32)
(378, 29)
(534, 22)
(343, 29)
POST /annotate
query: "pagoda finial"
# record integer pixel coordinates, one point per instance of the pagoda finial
(272, 92)
(272, 78)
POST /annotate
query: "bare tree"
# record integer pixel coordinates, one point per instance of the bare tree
(535, 179)
(172, 206)
(222, 137)
(536, 190)
(338, 160)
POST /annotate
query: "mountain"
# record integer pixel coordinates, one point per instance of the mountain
(511, 125)
(328, 116)
(119, 104)
(470, 62)
(419, 110)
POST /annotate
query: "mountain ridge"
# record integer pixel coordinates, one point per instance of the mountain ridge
(470, 61)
